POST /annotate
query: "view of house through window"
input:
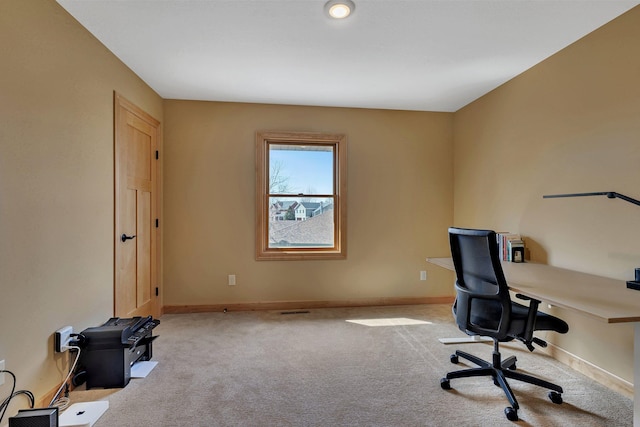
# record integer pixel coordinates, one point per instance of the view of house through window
(307, 172)
(300, 204)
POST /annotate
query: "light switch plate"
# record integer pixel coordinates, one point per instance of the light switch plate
(1, 374)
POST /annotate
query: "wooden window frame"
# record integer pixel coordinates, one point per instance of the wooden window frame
(339, 143)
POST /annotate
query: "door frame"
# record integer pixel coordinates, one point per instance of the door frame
(156, 204)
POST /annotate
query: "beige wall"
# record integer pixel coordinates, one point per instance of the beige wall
(56, 185)
(570, 124)
(399, 205)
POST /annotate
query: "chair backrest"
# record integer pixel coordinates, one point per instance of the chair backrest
(483, 303)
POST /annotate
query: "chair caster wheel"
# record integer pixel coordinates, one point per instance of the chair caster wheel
(555, 397)
(444, 383)
(454, 358)
(512, 414)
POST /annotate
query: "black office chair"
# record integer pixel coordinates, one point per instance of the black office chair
(483, 307)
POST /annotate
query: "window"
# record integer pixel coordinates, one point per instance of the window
(301, 196)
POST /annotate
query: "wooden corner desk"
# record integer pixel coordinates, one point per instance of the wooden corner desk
(605, 299)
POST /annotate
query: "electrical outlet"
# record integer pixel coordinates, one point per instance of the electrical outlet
(232, 280)
(1, 374)
(61, 339)
(423, 275)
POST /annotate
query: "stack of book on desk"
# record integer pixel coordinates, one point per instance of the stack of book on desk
(511, 247)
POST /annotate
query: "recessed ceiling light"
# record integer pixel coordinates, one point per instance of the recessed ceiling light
(339, 9)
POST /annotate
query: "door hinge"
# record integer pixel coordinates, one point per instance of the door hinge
(156, 291)
(157, 223)
(157, 155)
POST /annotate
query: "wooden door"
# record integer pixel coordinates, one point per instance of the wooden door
(136, 266)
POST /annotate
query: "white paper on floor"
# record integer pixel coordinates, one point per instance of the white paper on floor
(142, 369)
(395, 321)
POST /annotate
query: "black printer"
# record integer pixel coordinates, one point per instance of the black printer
(109, 351)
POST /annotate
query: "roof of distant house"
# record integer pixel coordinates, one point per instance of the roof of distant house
(315, 230)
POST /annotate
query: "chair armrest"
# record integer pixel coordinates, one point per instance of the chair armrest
(528, 338)
(526, 298)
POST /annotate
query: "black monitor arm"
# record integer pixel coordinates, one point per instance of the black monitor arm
(631, 284)
(609, 194)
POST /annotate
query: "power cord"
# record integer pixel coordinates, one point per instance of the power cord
(63, 402)
(5, 404)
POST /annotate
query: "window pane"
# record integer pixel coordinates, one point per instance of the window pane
(300, 222)
(301, 169)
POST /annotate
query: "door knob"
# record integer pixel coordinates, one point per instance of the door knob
(124, 237)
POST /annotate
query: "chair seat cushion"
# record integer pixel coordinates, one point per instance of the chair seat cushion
(519, 315)
(544, 321)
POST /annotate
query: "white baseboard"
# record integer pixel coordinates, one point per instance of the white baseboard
(590, 370)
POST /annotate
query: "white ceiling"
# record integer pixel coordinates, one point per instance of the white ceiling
(429, 55)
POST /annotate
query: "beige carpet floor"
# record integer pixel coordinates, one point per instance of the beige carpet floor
(317, 369)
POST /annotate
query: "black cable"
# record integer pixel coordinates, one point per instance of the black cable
(32, 398)
(5, 404)
(61, 403)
